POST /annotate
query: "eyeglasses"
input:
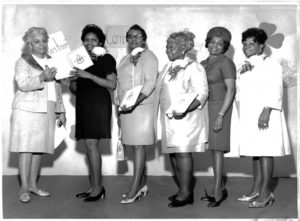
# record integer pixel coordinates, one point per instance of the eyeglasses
(131, 37)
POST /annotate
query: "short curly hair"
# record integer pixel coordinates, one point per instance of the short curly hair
(258, 34)
(29, 33)
(219, 32)
(92, 28)
(183, 39)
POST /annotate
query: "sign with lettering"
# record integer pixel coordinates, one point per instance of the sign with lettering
(58, 44)
(116, 36)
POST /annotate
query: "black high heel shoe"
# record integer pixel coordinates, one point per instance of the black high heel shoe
(215, 203)
(83, 195)
(101, 195)
(207, 197)
(179, 203)
(173, 197)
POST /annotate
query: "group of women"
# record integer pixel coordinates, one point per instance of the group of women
(256, 87)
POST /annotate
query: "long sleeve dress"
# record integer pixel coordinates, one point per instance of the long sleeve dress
(137, 127)
(189, 134)
(261, 87)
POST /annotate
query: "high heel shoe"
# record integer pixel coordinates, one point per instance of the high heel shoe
(207, 197)
(270, 200)
(132, 200)
(144, 191)
(245, 198)
(173, 197)
(215, 203)
(39, 192)
(179, 203)
(101, 195)
(83, 195)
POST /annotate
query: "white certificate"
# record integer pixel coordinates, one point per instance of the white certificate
(59, 134)
(130, 97)
(64, 63)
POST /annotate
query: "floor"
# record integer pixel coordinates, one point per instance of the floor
(64, 204)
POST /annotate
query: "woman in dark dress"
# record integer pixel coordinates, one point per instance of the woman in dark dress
(221, 74)
(93, 106)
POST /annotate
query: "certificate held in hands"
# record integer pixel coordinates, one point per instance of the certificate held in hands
(130, 97)
(64, 63)
(182, 103)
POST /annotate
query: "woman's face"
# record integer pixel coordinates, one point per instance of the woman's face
(216, 46)
(173, 50)
(250, 47)
(135, 39)
(90, 41)
(38, 44)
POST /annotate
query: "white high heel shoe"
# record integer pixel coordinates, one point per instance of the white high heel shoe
(144, 190)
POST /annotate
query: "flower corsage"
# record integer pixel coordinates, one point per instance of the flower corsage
(177, 67)
(246, 67)
(135, 55)
(97, 51)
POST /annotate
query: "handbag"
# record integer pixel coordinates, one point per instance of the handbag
(120, 149)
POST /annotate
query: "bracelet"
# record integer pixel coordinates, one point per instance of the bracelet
(220, 113)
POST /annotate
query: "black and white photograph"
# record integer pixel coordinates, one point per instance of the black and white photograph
(150, 110)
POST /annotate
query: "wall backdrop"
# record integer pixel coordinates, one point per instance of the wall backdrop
(159, 21)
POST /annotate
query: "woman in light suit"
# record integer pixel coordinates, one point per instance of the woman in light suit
(36, 106)
(187, 132)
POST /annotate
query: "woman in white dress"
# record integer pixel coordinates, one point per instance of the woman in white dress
(182, 132)
(263, 131)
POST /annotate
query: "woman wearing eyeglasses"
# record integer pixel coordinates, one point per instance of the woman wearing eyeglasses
(138, 68)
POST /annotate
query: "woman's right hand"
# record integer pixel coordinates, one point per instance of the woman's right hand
(48, 74)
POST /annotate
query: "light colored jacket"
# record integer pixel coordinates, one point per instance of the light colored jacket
(31, 94)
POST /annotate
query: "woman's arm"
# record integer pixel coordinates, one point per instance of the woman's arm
(110, 82)
(228, 100)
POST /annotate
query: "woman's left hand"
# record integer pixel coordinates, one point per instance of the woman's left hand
(218, 124)
(61, 120)
(126, 110)
(178, 116)
(263, 120)
(80, 73)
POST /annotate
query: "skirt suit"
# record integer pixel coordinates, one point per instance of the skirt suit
(217, 71)
(190, 133)
(137, 127)
(33, 114)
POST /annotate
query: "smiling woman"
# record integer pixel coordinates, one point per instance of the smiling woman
(36, 105)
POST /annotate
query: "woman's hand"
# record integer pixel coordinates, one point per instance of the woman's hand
(263, 120)
(218, 125)
(176, 115)
(48, 74)
(126, 110)
(80, 73)
(61, 119)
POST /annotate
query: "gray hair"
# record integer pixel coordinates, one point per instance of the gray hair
(29, 34)
(183, 39)
(27, 38)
